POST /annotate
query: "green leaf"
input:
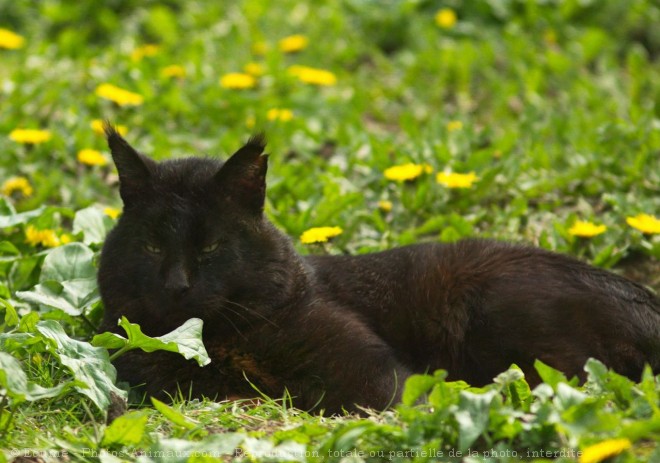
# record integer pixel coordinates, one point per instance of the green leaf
(7, 247)
(14, 380)
(549, 375)
(416, 386)
(68, 280)
(109, 340)
(72, 261)
(127, 430)
(89, 365)
(515, 388)
(9, 218)
(93, 223)
(185, 340)
(174, 416)
(472, 416)
(11, 317)
(72, 297)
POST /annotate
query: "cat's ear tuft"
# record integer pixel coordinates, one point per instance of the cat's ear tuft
(242, 179)
(133, 168)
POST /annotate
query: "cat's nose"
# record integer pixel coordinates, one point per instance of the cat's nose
(177, 280)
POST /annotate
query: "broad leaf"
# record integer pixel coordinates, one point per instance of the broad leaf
(549, 375)
(10, 218)
(67, 281)
(185, 340)
(14, 380)
(69, 262)
(93, 224)
(126, 430)
(417, 386)
(89, 365)
(472, 416)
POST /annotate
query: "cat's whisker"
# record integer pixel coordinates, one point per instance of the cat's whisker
(253, 312)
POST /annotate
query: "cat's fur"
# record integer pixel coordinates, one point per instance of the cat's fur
(341, 331)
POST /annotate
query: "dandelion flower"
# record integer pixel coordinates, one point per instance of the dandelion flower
(319, 234)
(112, 212)
(313, 76)
(173, 71)
(645, 223)
(47, 237)
(282, 115)
(238, 81)
(454, 180)
(446, 18)
(585, 229)
(97, 127)
(17, 185)
(144, 50)
(452, 126)
(406, 172)
(385, 206)
(91, 157)
(119, 95)
(254, 69)
(10, 40)
(606, 449)
(293, 43)
(30, 136)
(65, 238)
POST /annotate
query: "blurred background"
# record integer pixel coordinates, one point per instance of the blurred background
(397, 121)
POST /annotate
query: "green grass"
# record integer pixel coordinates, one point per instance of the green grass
(559, 105)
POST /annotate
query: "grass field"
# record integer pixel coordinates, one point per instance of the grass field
(397, 121)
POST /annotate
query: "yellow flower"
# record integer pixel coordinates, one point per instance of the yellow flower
(454, 125)
(293, 43)
(254, 69)
(91, 157)
(17, 184)
(173, 70)
(313, 76)
(407, 171)
(30, 136)
(645, 223)
(119, 95)
(65, 238)
(385, 206)
(259, 48)
(250, 121)
(10, 40)
(454, 180)
(446, 18)
(46, 238)
(112, 212)
(279, 115)
(319, 234)
(584, 229)
(144, 50)
(238, 81)
(97, 127)
(599, 452)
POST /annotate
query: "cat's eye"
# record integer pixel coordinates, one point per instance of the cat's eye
(151, 248)
(211, 247)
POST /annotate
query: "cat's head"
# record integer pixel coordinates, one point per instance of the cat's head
(193, 242)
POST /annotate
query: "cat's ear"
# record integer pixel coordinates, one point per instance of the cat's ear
(242, 179)
(133, 168)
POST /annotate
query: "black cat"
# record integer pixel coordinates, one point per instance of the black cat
(341, 331)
